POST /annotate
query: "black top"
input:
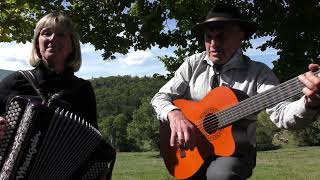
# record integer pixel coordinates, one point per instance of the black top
(77, 94)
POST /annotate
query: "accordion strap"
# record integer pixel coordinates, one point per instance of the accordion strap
(34, 83)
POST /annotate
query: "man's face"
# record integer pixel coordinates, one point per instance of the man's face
(222, 40)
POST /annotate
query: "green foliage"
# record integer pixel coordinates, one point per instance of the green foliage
(144, 127)
(115, 26)
(265, 132)
(125, 115)
(295, 35)
(308, 136)
(113, 129)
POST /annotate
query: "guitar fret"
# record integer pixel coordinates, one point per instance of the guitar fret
(260, 101)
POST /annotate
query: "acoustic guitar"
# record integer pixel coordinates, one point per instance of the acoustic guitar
(220, 125)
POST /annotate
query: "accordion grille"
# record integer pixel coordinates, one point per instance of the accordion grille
(65, 149)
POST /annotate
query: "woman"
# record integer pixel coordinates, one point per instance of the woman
(56, 56)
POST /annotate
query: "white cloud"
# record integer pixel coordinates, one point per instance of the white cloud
(88, 48)
(19, 51)
(135, 58)
(14, 56)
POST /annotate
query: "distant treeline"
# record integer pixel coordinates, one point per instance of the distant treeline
(125, 116)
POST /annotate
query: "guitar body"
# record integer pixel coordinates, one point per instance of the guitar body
(227, 141)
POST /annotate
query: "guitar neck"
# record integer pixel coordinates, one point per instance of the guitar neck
(254, 104)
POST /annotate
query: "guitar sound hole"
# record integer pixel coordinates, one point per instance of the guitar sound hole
(210, 123)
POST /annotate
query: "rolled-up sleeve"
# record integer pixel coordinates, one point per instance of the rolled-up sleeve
(173, 89)
(292, 115)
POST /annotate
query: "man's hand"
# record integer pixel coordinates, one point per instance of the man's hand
(2, 127)
(181, 130)
(311, 88)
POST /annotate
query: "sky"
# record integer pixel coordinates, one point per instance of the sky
(13, 56)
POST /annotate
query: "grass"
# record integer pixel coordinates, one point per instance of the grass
(292, 163)
(283, 164)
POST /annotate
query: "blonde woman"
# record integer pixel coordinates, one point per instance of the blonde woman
(55, 57)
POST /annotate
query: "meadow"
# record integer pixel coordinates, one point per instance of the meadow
(301, 163)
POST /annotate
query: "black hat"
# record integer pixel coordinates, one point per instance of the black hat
(224, 13)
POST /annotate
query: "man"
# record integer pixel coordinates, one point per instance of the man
(223, 64)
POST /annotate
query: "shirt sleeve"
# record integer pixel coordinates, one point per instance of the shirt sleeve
(292, 115)
(288, 114)
(173, 89)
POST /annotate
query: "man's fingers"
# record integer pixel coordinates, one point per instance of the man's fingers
(313, 67)
(181, 139)
(189, 136)
(173, 138)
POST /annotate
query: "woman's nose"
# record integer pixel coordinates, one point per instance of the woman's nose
(52, 37)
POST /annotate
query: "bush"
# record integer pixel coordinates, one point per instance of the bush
(265, 131)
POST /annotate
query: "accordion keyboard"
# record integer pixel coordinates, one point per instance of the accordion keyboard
(13, 115)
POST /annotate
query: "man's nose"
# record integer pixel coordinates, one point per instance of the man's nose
(216, 36)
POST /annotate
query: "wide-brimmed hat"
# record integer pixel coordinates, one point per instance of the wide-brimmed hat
(224, 13)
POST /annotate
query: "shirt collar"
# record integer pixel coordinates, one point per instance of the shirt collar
(236, 61)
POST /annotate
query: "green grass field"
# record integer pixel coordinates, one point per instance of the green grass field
(283, 164)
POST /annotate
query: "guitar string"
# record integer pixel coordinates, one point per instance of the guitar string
(236, 109)
(251, 99)
(265, 99)
(212, 122)
(288, 84)
(220, 121)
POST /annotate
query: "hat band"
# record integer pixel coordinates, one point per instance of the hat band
(218, 19)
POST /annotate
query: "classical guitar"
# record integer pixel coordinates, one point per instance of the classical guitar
(217, 118)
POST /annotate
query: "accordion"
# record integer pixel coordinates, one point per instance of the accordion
(47, 143)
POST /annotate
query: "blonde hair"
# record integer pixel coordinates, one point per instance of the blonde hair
(56, 20)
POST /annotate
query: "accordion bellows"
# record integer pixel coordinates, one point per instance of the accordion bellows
(42, 143)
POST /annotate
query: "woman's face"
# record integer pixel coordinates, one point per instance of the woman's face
(55, 46)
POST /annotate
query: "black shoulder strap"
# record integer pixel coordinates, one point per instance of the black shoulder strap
(34, 83)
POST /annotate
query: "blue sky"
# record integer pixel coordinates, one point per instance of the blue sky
(13, 56)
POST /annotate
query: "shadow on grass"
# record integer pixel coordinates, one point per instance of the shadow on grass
(268, 147)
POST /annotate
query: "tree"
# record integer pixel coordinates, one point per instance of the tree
(144, 128)
(113, 129)
(115, 26)
(309, 136)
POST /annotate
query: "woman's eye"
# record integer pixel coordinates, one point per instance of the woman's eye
(46, 33)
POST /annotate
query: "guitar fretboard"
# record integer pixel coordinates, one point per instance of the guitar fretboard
(254, 104)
